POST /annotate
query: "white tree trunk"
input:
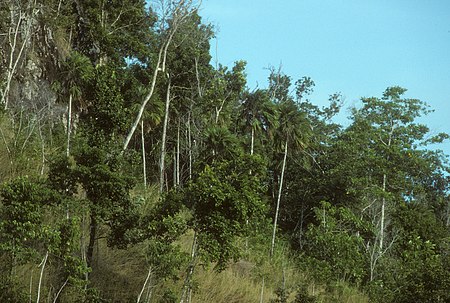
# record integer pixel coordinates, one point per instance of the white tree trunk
(145, 284)
(383, 206)
(178, 14)
(143, 155)
(163, 143)
(44, 261)
(252, 142)
(261, 297)
(13, 38)
(279, 198)
(60, 290)
(190, 144)
(178, 156)
(186, 293)
(69, 125)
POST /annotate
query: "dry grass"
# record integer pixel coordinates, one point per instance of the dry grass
(118, 274)
(229, 286)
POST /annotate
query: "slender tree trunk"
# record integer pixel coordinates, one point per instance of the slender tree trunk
(187, 281)
(144, 168)
(174, 177)
(190, 144)
(179, 14)
(261, 297)
(41, 137)
(383, 205)
(144, 103)
(145, 284)
(279, 198)
(178, 155)
(31, 285)
(69, 125)
(252, 142)
(44, 261)
(163, 143)
(13, 37)
(60, 290)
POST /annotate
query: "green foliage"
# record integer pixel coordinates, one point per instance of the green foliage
(282, 295)
(22, 226)
(32, 224)
(335, 245)
(107, 189)
(219, 145)
(102, 55)
(11, 292)
(302, 296)
(106, 116)
(223, 197)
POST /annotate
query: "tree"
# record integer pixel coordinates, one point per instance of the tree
(27, 234)
(334, 244)
(78, 71)
(258, 114)
(169, 23)
(293, 130)
(223, 196)
(377, 163)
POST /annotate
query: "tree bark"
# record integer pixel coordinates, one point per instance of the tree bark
(186, 285)
(145, 284)
(163, 143)
(143, 155)
(179, 13)
(69, 125)
(44, 261)
(383, 205)
(252, 142)
(279, 198)
(178, 156)
(190, 143)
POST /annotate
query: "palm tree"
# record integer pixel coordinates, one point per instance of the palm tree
(219, 144)
(77, 71)
(293, 131)
(258, 114)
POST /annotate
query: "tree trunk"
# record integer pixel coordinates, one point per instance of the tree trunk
(13, 39)
(383, 205)
(69, 125)
(190, 144)
(261, 297)
(145, 284)
(44, 261)
(279, 198)
(186, 285)
(92, 235)
(60, 290)
(163, 143)
(252, 142)
(179, 13)
(143, 155)
(178, 156)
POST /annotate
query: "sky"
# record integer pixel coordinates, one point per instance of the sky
(355, 47)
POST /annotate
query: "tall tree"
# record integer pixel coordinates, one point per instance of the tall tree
(172, 16)
(293, 130)
(258, 114)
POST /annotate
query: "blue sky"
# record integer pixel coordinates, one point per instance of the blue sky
(356, 47)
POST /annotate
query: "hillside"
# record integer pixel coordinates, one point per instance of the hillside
(132, 169)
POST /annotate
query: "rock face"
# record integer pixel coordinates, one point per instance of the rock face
(30, 57)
